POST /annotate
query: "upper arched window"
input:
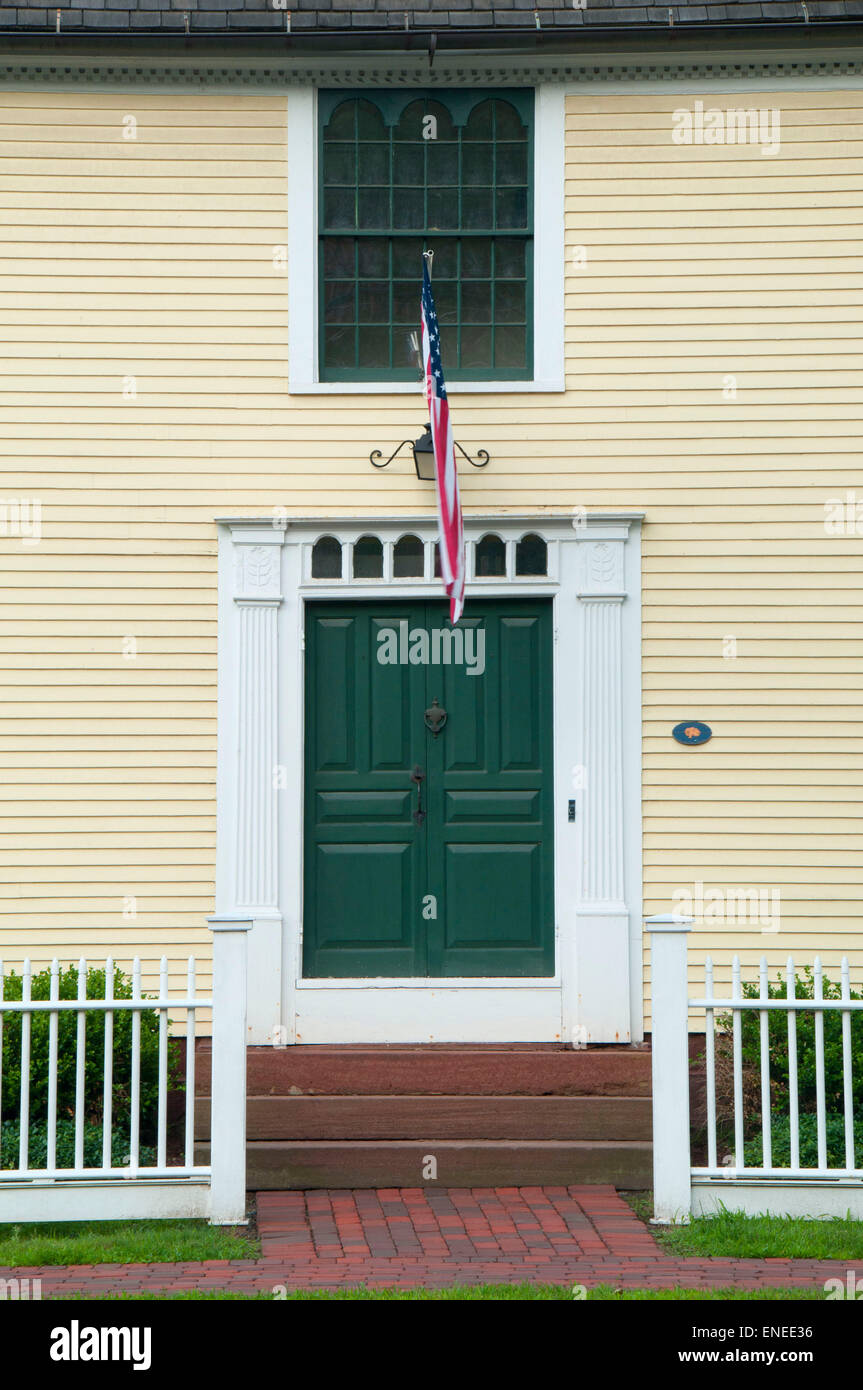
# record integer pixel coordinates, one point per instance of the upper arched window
(490, 557)
(327, 558)
(531, 555)
(409, 558)
(368, 558)
(449, 172)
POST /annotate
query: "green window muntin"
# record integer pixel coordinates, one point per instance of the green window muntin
(387, 193)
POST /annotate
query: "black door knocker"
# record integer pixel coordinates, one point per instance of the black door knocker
(435, 717)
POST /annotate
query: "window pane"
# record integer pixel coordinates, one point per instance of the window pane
(374, 347)
(339, 347)
(408, 558)
(368, 558)
(476, 208)
(407, 257)
(339, 164)
(476, 302)
(406, 301)
(531, 556)
(339, 208)
(512, 163)
(341, 122)
(475, 257)
(511, 207)
(442, 163)
(508, 259)
(509, 303)
(477, 164)
(373, 256)
(339, 301)
(404, 349)
(445, 260)
(510, 347)
(408, 163)
(338, 257)
(373, 207)
(408, 208)
(373, 298)
(370, 122)
(446, 300)
(475, 348)
(507, 122)
(374, 164)
(490, 557)
(442, 208)
(327, 558)
(479, 125)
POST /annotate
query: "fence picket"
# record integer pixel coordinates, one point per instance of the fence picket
(847, 1086)
(108, 1068)
(793, 1097)
(820, 1104)
(737, 1046)
(190, 1068)
(53, 1029)
(764, 1038)
(135, 1103)
(711, 1066)
(80, 1060)
(24, 1108)
(162, 1119)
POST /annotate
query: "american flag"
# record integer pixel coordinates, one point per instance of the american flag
(446, 477)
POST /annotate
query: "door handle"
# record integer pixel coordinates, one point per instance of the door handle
(418, 776)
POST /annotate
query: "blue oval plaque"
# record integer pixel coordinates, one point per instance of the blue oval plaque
(691, 732)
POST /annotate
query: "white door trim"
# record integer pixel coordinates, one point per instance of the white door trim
(594, 582)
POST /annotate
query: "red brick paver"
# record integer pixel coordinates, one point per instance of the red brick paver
(434, 1237)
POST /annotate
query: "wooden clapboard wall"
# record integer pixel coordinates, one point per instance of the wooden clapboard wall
(152, 258)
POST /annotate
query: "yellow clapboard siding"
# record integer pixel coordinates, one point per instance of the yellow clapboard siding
(153, 257)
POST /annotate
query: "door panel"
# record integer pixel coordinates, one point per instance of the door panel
(484, 849)
(364, 858)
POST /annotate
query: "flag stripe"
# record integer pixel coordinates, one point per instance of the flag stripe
(451, 528)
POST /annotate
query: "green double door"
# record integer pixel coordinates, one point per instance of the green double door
(428, 853)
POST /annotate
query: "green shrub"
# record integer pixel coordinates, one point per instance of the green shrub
(780, 1142)
(38, 1152)
(777, 1031)
(94, 1052)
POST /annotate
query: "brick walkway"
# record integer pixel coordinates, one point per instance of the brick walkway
(389, 1237)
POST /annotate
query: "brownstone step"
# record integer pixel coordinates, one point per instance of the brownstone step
(322, 1118)
(280, 1164)
(434, 1069)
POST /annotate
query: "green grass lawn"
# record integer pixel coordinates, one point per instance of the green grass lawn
(479, 1293)
(733, 1235)
(122, 1242)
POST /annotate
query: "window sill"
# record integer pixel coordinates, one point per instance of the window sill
(412, 388)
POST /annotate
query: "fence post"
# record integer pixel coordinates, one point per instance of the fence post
(670, 1065)
(228, 1084)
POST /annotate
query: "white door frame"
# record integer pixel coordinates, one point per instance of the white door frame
(594, 581)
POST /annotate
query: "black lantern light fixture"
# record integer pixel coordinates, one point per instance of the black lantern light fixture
(423, 452)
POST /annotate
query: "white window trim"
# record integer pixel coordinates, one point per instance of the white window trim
(548, 324)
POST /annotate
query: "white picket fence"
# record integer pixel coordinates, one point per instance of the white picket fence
(105, 1189)
(681, 1190)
